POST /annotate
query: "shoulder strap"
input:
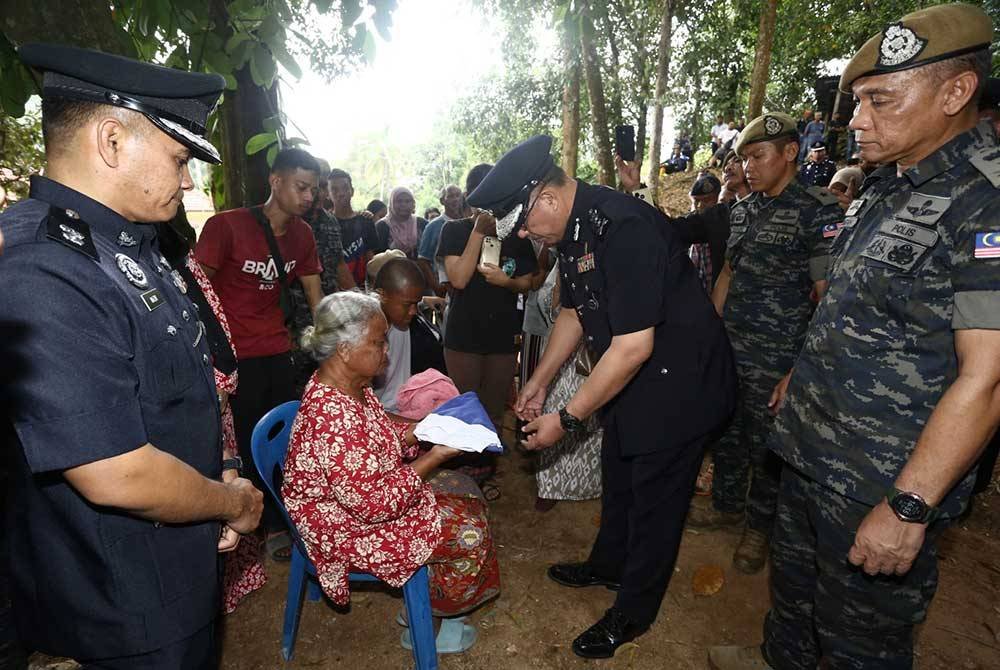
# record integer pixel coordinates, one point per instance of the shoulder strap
(987, 161)
(822, 195)
(272, 244)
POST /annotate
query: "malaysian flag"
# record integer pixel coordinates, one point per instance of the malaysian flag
(987, 245)
(461, 423)
(831, 229)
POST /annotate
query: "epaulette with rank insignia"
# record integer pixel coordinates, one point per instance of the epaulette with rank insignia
(598, 221)
(822, 195)
(987, 161)
(64, 226)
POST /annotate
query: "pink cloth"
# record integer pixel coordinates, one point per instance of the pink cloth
(423, 393)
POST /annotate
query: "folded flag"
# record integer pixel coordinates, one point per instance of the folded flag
(461, 423)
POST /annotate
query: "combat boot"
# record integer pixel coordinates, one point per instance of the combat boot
(706, 517)
(751, 554)
(737, 658)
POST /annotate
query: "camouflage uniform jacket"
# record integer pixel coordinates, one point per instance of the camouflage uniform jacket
(330, 250)
(912, 264)
(777, 249)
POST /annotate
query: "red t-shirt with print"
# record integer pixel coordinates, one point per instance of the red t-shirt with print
(246, 279)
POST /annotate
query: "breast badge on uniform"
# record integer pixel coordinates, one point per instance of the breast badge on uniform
(925, 209)
(126, 240)
(899, 45)
(987, 245)
(133, 273)
(179, 281)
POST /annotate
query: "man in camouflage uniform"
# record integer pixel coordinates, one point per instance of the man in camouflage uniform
(895, 392)
(776, 259)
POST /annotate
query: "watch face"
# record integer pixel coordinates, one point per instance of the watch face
(909, 507)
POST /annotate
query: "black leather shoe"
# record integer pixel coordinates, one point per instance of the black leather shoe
(604, 637)
(579, 574)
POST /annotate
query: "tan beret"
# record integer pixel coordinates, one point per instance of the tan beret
(923, 37)
(765, 128)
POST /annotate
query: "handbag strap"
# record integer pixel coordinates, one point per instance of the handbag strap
(272, 245)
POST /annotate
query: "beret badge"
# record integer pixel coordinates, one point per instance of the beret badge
(772, 126)
(899, 45)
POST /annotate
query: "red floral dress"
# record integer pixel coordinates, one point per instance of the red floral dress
(244, 571)
(359, 507)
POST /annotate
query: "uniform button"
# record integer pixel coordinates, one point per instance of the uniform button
(171, 331)
(570, 259)
(664, 371)
(185, 315)
(590, 338)
(157, 524)
(195, 305)
(204, 359)
(573, 285)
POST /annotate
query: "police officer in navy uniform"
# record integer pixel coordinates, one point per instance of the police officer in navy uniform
(117, 513)
(664, 381)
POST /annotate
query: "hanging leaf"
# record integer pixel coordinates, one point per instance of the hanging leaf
(262, 67)
(350, 10)
(272, 153)
(259, 142)
(235, 40)
(288, 62)
(231, 84)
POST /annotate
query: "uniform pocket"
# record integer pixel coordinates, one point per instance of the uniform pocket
(171, 369)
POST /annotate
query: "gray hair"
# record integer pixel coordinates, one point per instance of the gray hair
(341, 319)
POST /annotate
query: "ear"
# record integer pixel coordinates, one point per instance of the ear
(110, 136)
(273, 180)
(958, 91)
(792, 152)
(381, 293)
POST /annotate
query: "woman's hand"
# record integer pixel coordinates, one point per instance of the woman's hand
(530, 401)
(228, 540)
(485, 224)
(493, 274)
(444, 453)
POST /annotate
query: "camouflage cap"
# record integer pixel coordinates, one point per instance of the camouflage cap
(920, 38)
(765, 128)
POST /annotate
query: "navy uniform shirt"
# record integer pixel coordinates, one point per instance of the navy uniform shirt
(105, 353)
(817, 173)
(624, 268)
(913, 262)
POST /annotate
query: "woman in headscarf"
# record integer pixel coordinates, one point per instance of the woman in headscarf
(400, 229)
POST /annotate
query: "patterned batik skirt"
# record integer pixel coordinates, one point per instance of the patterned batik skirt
(463, 569)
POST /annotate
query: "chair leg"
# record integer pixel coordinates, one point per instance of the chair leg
(417, 596)
(315, 592)
(293, 603)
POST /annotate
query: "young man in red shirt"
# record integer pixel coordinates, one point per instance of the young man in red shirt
(233, 249)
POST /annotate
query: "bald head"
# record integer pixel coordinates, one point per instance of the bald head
(398, 275)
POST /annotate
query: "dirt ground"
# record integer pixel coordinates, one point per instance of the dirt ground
(534, 621)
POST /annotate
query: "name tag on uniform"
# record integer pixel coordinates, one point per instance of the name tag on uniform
(585, 263)
(151, 299)
(855, 207)
(910, 231)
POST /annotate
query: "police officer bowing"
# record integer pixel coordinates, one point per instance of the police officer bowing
(664, 380)
(116, 505)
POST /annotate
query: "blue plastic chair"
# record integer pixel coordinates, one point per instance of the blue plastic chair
(269, 445)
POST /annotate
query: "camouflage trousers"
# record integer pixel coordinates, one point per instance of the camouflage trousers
(746, 471)
(826, 612)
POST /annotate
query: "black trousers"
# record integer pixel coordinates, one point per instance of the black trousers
(643, 506)
(198, 652)
(264, 383)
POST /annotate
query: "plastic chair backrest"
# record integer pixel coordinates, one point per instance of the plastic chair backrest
(269, 445)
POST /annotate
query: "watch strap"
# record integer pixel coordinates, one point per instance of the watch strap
(570, 423)
(235, 463)
(932, 514)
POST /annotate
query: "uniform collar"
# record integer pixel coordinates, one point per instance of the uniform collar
(582, 202)
(101, 219)
(955, 152)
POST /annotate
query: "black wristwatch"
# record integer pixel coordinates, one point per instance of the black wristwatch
(570, 423)
(235, 463)
(910, 507)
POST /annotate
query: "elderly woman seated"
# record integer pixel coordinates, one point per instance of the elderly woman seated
(356, 482)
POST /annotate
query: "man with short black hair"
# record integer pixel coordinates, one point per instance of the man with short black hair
(116, 510)
(817, 170)
(240, 251)
(453, 201)
(357, 231)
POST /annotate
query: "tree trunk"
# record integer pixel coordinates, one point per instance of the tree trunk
(662, 73)
(598, 108)
(641, 129)
(762, 59)
(571, 113)
(241, 116)
(614, 81)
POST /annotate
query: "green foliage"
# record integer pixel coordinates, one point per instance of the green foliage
(21, 153)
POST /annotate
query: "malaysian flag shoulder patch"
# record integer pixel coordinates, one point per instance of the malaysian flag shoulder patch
(987, 245)
(831, 229)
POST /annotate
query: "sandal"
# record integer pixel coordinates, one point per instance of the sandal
(454, 637)
(279, 547)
